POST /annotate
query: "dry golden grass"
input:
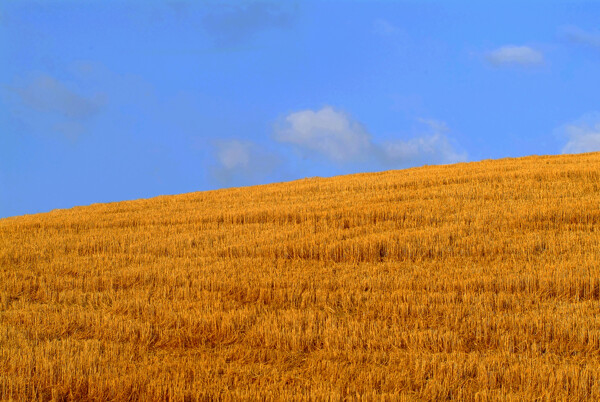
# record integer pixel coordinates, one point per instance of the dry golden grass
(476, 281)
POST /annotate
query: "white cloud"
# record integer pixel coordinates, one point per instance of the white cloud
(242, 160)
(515, 55)
(578, 35)
(339, 138)
(583, 135)
(431, 149)
(233, 154)
(328, 132)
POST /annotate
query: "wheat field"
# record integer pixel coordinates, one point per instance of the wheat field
(476, 281)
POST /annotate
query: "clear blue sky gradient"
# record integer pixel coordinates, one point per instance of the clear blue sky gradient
(105, 101)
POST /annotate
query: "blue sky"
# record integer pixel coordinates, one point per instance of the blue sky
(112, 100)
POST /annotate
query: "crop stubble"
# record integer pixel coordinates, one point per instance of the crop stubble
(473, 281)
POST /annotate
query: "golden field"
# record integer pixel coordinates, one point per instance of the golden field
(476, 281)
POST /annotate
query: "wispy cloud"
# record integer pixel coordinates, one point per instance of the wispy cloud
(242, 159)
(336, 136)
(47, 94)
(44, 98)
(515, 55)
(230, 23)
(579, 36)
(583, 135)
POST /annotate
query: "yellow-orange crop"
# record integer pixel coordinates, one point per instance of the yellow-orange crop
(472, 281)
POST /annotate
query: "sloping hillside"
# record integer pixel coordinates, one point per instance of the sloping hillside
(470, 280)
